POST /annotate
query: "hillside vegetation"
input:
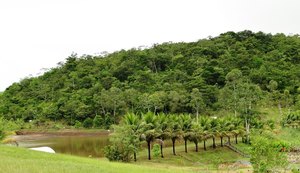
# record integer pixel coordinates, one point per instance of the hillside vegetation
(233, 72)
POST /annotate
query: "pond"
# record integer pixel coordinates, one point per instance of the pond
(80, 145)
(86, 145)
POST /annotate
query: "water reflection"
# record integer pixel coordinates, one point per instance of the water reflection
(87, 146)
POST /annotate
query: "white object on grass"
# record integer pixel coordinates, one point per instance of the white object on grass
(43, 149)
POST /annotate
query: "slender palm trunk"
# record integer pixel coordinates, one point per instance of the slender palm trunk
(134, 156)
(229, 140)
(214, 142)
(161, 151)
(221, 141)
(204, 144)
(173, 143)
(196, 145)
(236, 139)
(149, 148)
(185, 145)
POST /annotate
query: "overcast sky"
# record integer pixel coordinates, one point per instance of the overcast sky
(37, 34)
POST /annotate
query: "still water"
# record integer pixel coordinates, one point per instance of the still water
(82, 145)
(86, 145)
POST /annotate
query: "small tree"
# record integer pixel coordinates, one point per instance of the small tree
(97, 121)
(266, 156)
(196, 102)
(88, 123)
(124, 143)
(2, 134)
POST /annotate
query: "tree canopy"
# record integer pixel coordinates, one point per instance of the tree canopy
(231, 71)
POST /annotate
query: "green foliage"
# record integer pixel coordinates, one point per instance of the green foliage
(124, 143)
(78, 124)
(2, 134)
(156, 150)
(88, 123)
(291, 119)
(97, 121)
(267, 156)
(232, 72)
(112, 153)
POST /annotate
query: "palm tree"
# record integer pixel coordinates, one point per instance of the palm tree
(222, 129)
(163, 129)
(196, 134)
(214, 130)
(175, 128)
(186, 127)
(238, 128)
(133, 121)
(205, 125)
(148, 126)
(230, 128)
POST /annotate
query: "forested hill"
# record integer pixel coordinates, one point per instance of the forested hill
(229, 72)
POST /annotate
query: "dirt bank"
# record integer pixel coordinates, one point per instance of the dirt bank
(64, 132)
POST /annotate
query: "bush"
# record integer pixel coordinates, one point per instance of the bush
(97, 122)
(112, 153)
(78, 124)
(2, 134)
(88, 123)
(156, 150)
(266, 155)
(124, 144)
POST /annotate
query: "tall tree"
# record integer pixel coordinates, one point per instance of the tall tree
(197, 102)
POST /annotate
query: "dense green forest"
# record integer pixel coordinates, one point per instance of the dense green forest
(233, 73)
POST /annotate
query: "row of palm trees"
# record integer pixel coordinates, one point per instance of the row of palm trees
(151, 127)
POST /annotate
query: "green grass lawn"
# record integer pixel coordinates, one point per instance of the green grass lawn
(21, 160)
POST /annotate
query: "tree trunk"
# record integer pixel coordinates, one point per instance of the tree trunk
(173, 143)
(196, 145)
(235, 100)
(185, 145)
(236, 139)
(229, 140)
(197, 116)
(149, 148)
(247, 124)
(134, 156)
(114, 115)
(204, 144)
(214, 142)
(221, 141)
(161, 150)
(279, 107)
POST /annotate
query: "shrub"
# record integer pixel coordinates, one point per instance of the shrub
(112, 153)
(2, 134)
(266, 156)
(88, 123)
(156, 150)
(97, 122)
(78, 124)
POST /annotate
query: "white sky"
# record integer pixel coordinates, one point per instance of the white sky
(37, 34)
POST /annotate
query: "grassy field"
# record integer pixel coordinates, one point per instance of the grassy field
(20, 160)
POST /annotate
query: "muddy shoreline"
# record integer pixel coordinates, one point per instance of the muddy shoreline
(65, 132)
